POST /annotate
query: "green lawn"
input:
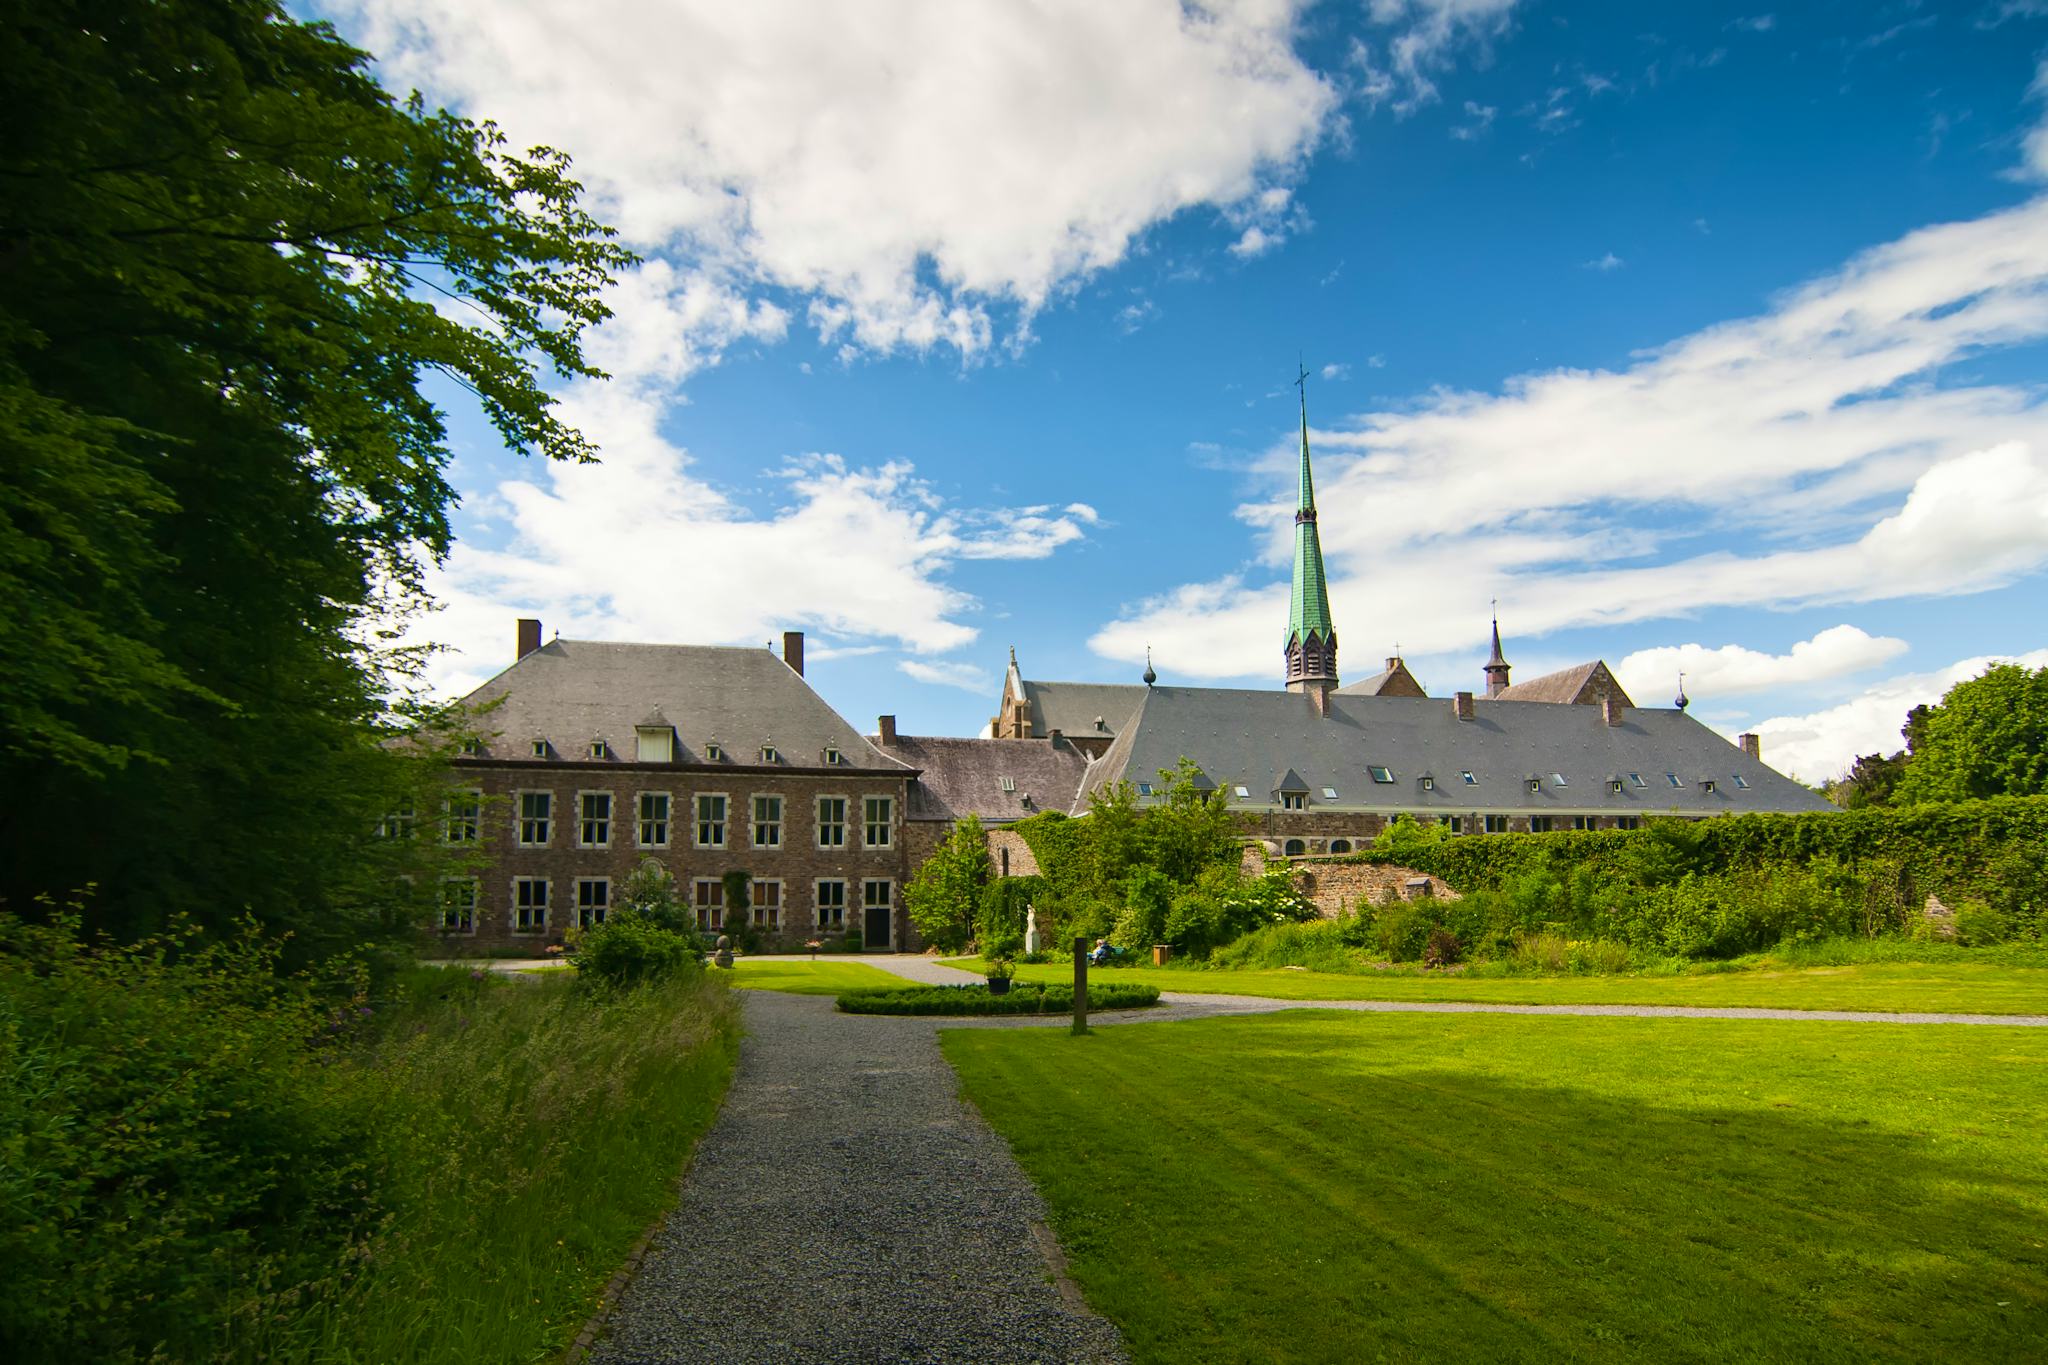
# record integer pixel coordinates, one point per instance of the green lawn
(1957, 987)
(1324, 1187)
(800, 976)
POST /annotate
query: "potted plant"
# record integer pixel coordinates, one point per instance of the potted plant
(1000, 971)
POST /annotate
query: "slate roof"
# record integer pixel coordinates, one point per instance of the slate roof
(1072, 708)
(1566, 686)
(1244, 737)
(961, 777)
(1393, 681)
(570, 692)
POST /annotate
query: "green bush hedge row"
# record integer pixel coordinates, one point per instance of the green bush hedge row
(1994, 850)
(1024, 997)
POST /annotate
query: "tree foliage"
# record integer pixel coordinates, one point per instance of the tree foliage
(944, 893)
(1987, 737)
(228, 261)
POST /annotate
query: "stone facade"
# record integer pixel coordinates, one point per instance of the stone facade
(790, 873)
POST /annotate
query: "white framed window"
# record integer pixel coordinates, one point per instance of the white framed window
(465, 816)
(1008, 784)
(600, 749)
(831, 822)
(878, 893)
(767, 910)
(768, 754)
(1539, 824)
(593, 819)
(654, 743)
(654, 812)
(398, 824)
(1496, 824)
(711, 819)
(714, 753)
(529, 905)
(593, 900)
(830, 894)
(1243, 792)
(767, 822)
(1380, 773)
(878, 823)
(1329, 793)
(1455, 823)
(708, 894)
(831, 755)
(536, 818)
(458, 905)
(1535, 784)
(540, 748)
(1293, 800)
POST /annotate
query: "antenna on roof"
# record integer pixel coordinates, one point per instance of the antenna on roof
(1681, 701)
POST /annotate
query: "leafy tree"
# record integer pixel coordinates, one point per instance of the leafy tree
(228, 260)
(1870, 781)
(1192, 827)
(944, 893)
(1987, 737)
(650, 892)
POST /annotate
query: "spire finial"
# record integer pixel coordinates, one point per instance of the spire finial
(1681, 701)
(1013, 656)
(1150, 676)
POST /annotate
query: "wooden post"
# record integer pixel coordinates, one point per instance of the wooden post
(1081, 984)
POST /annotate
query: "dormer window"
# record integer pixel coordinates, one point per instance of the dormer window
(831, 756)
(768, 754)
(472, 748)
(600, 749)
(654, 743)
(1707, 785)
(1428, 783)
(1293, 800)
(1100, 726)
(714, 753)
(540, 748)
(1535, 783)
(1008, 784)
(1614, 785)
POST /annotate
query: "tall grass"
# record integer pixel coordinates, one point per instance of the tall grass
(529, 1132)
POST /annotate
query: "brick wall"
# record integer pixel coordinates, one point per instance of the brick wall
(798, 864)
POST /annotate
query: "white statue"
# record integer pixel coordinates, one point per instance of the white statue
(1031, 929)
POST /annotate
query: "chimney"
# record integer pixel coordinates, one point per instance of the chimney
(1053, 735)
(1753, 745)
(529, 636)
(1393, 662)
(887, 726)
(1462, 704)
(793, 651)
(1611, 708)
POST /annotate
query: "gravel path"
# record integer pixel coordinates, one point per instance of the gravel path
(848, 1206)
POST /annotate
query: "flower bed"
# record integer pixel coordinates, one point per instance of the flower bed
(1025, 997)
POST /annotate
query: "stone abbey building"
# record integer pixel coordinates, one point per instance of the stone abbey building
(716, 760)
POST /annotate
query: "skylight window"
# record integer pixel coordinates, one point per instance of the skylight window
(1636, 780)
(1329, 793)
(1243, 792)
(1741, 782)
(1674, 779)
(1379, 774)
(1008, 784)
(1144, 789)
(1470, 780)
(1558, 778)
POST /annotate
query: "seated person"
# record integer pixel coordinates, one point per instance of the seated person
(1103, 952)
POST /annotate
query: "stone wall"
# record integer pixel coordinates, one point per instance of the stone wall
(1336, 886)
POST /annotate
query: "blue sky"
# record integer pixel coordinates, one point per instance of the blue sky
(1701, 337)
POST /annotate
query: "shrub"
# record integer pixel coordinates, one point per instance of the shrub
(1148, 895)
(628, 950)
(1979, 925)
(1442, 948)
(1023, 997)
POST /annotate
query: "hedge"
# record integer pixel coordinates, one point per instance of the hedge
(1024, 997)
(1994, 850)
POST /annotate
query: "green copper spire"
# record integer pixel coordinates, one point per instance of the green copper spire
(1311, 635)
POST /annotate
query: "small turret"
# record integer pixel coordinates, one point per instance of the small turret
(1496, 663)
(1311, 635)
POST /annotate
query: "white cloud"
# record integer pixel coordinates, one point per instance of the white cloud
(1255, 241)
(1822, 745)
(906, 167)
(2036, 145)
(966, 677)
(1336, 372)
(1732, 669)
(1610, 261)
(1482, 119)
(1758, 23)
(1399, 70)
(1804, 456)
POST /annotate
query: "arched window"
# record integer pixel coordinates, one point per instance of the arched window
(1294, 848)
(1340, 845)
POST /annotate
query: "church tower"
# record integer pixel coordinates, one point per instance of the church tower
(1496, 664)
(1311, 636)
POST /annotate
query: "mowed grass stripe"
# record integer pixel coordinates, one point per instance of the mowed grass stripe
(1330, 1186)
(1878, 987)
(800, 976)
